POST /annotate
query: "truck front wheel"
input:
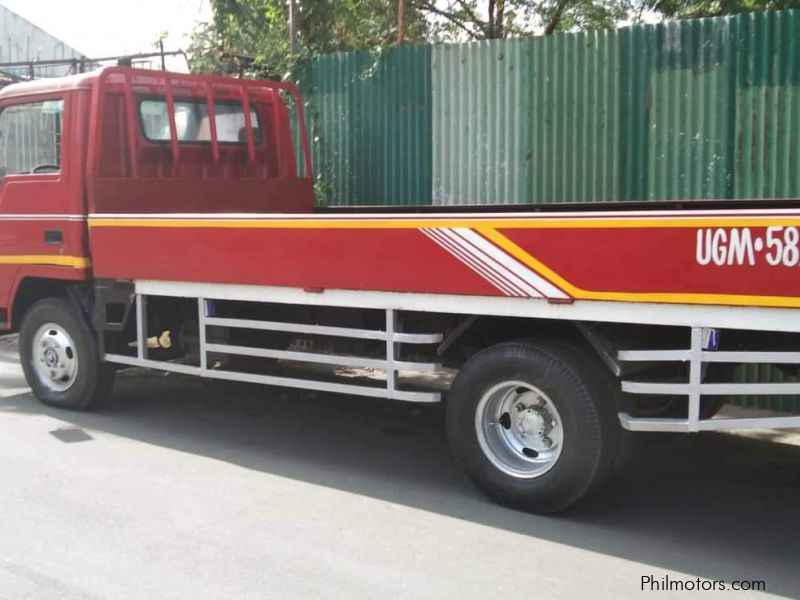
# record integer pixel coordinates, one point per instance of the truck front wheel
(531, 425)
(60, 357)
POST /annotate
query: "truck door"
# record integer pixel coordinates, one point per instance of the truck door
(41, 227)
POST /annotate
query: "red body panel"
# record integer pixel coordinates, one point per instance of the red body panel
(566, 257)
(394, 260)
(651, 260)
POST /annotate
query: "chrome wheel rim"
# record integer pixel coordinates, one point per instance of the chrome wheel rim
(519, 429)
(55, 358)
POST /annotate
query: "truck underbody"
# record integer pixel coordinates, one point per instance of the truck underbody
(207, 323)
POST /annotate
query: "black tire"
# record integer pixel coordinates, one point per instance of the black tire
(619, 447)
(93, 381)
(573, 383)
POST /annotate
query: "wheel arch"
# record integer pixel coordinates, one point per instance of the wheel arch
(30, 289)
(487, 331)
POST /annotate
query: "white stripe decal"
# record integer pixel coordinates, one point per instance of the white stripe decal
(496, 265)
(722, 214)
(476, 263)
(470, 262)
(531, 277)
(489, 273)
(493, 264)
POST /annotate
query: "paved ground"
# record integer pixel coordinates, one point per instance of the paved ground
(187, 489)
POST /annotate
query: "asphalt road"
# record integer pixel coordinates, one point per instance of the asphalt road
(190, 489)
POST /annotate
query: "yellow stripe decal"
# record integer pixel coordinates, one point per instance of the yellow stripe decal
(78, 262)
(488, 227)
(531, 223)
(661, 297)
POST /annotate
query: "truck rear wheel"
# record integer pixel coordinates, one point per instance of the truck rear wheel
(531, 426)
(60, 357)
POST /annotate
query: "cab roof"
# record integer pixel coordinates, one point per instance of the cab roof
(52, 84)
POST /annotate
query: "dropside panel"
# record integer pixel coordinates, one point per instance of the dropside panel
(744, 258)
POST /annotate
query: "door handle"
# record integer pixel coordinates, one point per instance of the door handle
(53, 236)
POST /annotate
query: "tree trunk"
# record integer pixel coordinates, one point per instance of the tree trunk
(501, 9)
(401, 22)
(555, 18)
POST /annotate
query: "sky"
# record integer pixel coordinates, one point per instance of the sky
(100, 28)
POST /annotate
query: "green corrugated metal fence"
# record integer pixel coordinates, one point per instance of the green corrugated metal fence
(707, 108)
(370, 122)
(574, 123)
(480, 107)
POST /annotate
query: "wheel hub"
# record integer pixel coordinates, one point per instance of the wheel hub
(532, 427)
(55, 359)
(519, 429)
(51, 357)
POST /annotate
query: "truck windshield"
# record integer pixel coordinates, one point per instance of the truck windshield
(192, 123)
(30, 138)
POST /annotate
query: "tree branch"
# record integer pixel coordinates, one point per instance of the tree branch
(555, 18)
(483, 26)
(457, 22)
(473, 17)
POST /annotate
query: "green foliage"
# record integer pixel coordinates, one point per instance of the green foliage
(252, 37)
(464, 20)
(582, 15)
(259, 29)
(242, 28)
(715, 8)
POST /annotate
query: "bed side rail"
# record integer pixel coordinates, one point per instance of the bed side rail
(698, 356)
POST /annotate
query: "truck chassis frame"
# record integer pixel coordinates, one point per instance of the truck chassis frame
(391, 335)
(698, 356)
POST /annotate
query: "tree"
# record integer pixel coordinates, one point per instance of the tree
(252, 35)
(465, 20)
(259, 29)
(688, 9)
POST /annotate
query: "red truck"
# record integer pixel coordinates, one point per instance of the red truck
(164, 220)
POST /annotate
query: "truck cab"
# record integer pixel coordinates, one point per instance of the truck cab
(121, 140)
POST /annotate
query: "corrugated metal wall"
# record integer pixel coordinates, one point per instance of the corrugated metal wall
(574, 124)
(768, 373)
(767, 97)
(370, 123)
(480, 122)
(677, 110)
(707, 108)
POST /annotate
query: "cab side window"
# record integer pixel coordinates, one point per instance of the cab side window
(30, 138)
